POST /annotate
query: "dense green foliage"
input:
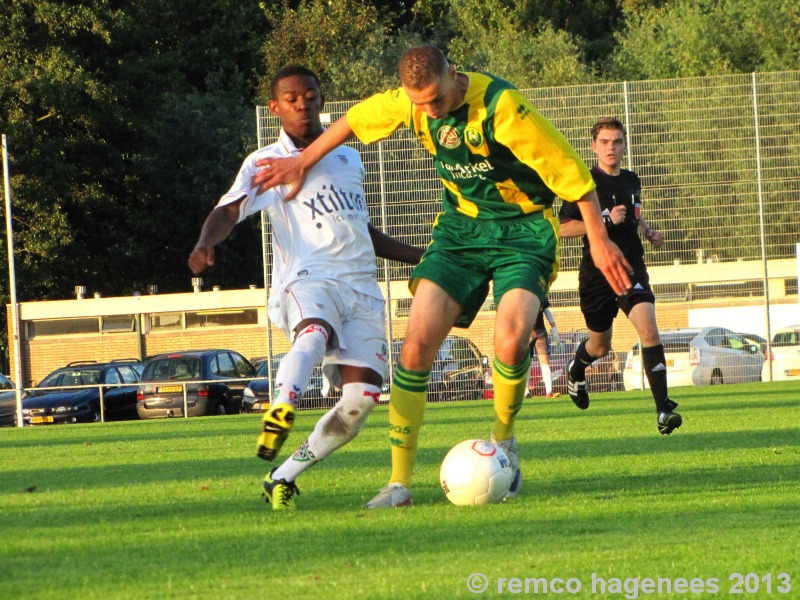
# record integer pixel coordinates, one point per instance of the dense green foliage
(171, 508)
(122, 131)
(126, 119)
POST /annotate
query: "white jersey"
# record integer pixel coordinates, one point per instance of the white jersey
(321, 233)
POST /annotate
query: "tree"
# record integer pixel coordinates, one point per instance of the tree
(689, 38)
(120, 125)
(345, 42)
(108, 105)
(496, 36)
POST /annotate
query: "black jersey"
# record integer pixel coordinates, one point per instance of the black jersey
(614, 190)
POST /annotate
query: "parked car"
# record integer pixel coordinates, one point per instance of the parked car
(50, 403)
(457, 372)
(752, 338)
(258, 361)
(785, 358)
(214, 380)
(8, 402)
(707, 356)
(256, 394)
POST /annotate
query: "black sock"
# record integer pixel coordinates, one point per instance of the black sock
(655, 367)
(582, 360)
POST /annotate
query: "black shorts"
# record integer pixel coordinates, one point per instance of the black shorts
(600, 304)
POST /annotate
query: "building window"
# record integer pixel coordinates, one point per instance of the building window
(118, 324)
(166, 321)
(221, 318)
(47, 327)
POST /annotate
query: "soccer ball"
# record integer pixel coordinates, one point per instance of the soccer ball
(475, 472)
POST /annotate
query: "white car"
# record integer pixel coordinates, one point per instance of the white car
(708, 356)
(785, 357)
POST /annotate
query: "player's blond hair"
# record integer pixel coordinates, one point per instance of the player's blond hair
(422, 65)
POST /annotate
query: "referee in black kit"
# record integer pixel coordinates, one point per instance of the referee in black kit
(619, 191)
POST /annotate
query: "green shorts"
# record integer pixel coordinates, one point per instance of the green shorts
(465, 254)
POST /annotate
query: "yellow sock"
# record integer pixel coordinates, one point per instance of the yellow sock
(510, 383)
(406, 407)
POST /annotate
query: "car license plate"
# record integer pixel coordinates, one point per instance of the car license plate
(793, 372)
(41, 419)
(167, 389)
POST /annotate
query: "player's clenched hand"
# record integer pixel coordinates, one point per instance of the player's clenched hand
(609, 259)
(617, 214)
(200, 258)
(656, 238)
(277, 171)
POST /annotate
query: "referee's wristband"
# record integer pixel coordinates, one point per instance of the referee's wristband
(608, 222)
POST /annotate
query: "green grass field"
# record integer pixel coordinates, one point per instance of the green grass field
(172, 509)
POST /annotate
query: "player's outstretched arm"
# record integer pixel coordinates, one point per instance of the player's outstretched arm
(569, 228)
(606, 254)
(218, 225)
(292, 171)
(388, 247)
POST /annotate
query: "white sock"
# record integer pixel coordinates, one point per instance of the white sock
(336, 427)
(547, 378)
(294, 372)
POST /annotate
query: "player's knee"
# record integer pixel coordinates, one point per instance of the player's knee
(312, 341)
(352, 410)
(311, 336)
(600, 350)
(511, 351)
(417, 355)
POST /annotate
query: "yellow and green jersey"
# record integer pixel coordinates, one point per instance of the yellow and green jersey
(497, 157)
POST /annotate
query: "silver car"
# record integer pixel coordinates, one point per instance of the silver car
(707, 356)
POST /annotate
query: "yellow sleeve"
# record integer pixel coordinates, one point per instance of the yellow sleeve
(535, 142)
(380, 115)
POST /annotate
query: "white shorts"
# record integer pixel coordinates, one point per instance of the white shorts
(358, 322)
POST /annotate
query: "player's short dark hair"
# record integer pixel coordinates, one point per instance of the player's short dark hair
(608, 123)
(422, 65)
(291, 71)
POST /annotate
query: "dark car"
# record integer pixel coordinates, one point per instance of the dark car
(8, 402)
(116, 381)
(457, 373)
(256, 395)
(214, 381)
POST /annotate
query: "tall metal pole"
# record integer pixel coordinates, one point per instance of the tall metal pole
(12, 283)
(761, 226)
(627, 99)
(387, 275)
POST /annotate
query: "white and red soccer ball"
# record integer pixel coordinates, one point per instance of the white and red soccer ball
(476, 472)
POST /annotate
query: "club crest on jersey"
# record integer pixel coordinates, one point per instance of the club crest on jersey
(473, 137)
(448, 137)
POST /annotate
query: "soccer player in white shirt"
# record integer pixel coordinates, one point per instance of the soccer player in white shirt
(325, 295)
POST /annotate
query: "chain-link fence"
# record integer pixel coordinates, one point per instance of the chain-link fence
(719, 159)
